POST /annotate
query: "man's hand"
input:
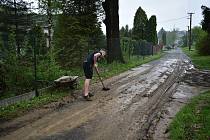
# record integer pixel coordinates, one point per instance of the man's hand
(95, 65)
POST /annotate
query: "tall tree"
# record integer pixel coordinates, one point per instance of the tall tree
(171, 37)
(206, 21)
(126, 31)
(164, 37)
(151, 33)
(122, 31)
(139, 24)
(203, 45)
(111, 21)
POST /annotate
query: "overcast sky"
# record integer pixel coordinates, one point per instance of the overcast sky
(165, 11)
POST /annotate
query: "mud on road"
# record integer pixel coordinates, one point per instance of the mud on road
(140, 105)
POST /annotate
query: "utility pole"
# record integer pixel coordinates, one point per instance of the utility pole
(187, 36)
(190, 39)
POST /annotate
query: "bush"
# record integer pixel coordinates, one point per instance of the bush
(203, 45)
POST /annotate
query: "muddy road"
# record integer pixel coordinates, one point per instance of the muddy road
(132, 109)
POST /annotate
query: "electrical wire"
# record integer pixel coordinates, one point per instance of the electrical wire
(173, 19)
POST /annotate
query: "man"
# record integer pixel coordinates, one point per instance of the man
(88, 65)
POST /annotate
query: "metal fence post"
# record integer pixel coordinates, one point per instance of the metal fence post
(35, 65)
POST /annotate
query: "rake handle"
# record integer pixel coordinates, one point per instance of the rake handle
(99, 77)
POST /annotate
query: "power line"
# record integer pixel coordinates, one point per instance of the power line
(174, 19)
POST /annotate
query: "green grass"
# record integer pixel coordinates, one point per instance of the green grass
(107, 70)
(20, 108)
(201, 62)
(193, 121)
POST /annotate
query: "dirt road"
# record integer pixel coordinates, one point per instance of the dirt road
(130, 110)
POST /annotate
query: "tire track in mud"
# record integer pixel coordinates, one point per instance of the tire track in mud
(159, 98)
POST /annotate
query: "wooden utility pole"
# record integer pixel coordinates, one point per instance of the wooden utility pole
(190, 39)
(187, 35)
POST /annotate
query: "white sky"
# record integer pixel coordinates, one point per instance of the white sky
(164, 10)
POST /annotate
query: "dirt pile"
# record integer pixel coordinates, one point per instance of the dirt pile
(197, 77)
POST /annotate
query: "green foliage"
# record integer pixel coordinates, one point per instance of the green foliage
(162, 36)
(126, 47)
(139, 24)
(203, 45)
(206, 21)
(184, 41)
(139, 47)
(144, 29)
(193, 121)
(171, 37)
(126, 41)
(151, 33)
(77, 31)
(48, 69)
(125, 32)
(197, 34)
(201, 62)
(36, 37)
(70, 41)
(16, 74)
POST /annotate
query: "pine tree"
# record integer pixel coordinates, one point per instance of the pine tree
(139, 24)
(206, 21)
(151, 33)
(164, 38)
(126, 31)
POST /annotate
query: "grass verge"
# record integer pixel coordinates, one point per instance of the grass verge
(107, 70)
(201, 62)
(193, 121)
(20, 108)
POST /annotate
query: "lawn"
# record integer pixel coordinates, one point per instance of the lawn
(201, 62)
(193, 121)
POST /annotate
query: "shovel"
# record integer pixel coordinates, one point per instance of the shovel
(104, 88)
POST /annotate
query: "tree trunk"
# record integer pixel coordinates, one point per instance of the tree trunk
(111, 21)
(16, 30)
